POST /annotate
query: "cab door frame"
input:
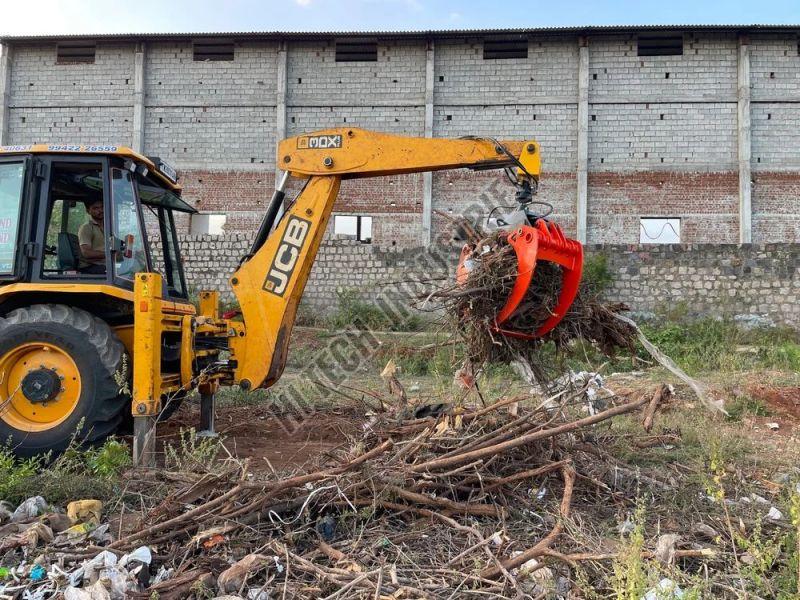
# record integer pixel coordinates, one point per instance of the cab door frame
(27, 210)
(43, 218)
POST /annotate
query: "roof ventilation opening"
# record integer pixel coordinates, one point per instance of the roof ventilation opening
(71, 53)
(500, 48)
(660, 44)
(213, 50)
(355, 50)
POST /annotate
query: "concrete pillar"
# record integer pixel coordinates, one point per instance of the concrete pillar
(582, 176)
(5, 91)
(138, 97)
(280, 99)
(745, 148)
(427, 178)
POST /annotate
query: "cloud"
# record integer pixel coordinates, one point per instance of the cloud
(302, 2)
(455, 16)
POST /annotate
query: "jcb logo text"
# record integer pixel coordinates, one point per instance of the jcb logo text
(280, 273)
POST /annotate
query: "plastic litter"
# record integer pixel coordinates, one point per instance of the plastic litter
(38, 573)
(101, 534)
(85, 511)
(93, 592)
(91, 568)
(162, 575)
(30, 509)
(665, 590)
(142, 554)
(115, 580)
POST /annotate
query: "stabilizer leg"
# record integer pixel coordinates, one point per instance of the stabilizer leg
(144, 441)
(208, 391)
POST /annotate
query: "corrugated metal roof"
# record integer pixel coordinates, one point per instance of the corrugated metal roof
(433, 33)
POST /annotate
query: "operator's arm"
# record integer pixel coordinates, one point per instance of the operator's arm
(85, 241)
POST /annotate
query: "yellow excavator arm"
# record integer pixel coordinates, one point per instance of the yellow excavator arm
(270, 281)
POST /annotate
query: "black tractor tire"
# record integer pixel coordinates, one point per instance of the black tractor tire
(101, 361)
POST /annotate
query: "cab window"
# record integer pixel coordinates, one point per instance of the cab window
(75, 239)
(11, 182)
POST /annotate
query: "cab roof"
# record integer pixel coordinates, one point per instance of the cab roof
(164, 172)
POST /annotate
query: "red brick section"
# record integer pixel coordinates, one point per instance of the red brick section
(776, 207)
(475, 193)
(244, 195)
(708, 204)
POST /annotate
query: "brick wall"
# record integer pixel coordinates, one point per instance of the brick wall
(709, 279)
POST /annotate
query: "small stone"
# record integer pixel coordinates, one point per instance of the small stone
(774, 514)
(706, 531)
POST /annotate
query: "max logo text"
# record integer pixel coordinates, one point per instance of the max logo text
(319, 141)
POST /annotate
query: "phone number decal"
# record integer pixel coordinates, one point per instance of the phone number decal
(82, 148)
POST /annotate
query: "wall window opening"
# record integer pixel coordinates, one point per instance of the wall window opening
(497, 49)
(659, 230)
(72, 53)
(356, 51)
(660, 45)
(354, 227)
(208, 224)
(213, 50)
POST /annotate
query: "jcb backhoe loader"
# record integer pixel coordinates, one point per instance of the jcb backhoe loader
(95, 320)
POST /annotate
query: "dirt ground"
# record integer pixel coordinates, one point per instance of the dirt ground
(267, 440)
(270, 440)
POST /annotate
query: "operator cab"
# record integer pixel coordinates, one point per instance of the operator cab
(88, 215)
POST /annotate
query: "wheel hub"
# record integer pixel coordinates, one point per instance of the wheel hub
(41, 385)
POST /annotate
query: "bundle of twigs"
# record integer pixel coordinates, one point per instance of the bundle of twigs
(473, 307)
(461, 500)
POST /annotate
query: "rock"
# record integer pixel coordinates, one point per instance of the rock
(6, 510)
(752, 321)
(665, 548)
(705, 531)
(58, 522)
(774, 514)
(234, 577)
(774, 426)
(30, 509)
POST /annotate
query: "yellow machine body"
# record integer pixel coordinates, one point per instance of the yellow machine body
(270, 281)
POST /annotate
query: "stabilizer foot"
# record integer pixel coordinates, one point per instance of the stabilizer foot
(207, 405)
(144, 441)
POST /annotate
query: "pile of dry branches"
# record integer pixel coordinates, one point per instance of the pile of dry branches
(466, 501)
(473, 308)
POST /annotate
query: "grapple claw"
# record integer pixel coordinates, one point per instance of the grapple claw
(542, 241)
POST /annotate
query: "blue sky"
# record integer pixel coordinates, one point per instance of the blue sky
(103, 16)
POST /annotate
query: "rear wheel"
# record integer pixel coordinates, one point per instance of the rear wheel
(60, 368)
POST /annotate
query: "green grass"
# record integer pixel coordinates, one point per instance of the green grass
(75, 474)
